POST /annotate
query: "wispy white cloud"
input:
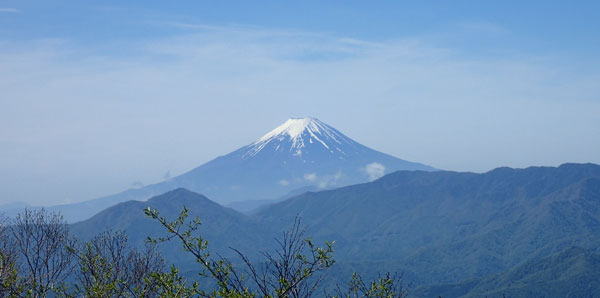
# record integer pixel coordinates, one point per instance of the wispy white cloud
(9, 10)
(374, 170)
(327, 181)
(311, 177)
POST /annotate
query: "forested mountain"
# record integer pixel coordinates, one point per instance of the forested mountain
(447, 226)
(436, 227)
(574, 272)
(222, 227)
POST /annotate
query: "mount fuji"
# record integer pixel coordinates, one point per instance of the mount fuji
(302, 153)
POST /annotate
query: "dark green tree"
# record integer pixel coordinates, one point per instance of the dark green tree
(385, 286)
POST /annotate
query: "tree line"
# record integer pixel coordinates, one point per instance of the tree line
(39, 257)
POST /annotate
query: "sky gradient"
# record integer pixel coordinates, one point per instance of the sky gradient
(98, 96)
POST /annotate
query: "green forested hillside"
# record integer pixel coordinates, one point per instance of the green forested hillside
(574, 272)
(447, 226)
(435, 227)
(222, 227)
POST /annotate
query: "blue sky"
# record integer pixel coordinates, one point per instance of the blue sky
(567, 27)
(97, 95)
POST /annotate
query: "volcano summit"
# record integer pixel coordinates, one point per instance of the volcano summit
(300, 152)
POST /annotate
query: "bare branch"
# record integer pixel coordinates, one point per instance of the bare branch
(41, 238)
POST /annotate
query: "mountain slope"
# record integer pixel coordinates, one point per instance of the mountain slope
(444, 227)
(574, 272)
(301, 152)
(223, 227)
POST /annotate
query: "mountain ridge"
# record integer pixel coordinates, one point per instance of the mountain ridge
(427, 216)
(242, 231)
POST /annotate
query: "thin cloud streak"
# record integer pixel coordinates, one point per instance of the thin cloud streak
(9, 10)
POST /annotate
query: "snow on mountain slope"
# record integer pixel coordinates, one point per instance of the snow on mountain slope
(299, 133)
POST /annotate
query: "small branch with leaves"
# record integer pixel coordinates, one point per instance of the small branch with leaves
(229, 283)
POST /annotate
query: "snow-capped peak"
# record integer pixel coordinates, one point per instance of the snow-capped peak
(301, 132)
(294, 127)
